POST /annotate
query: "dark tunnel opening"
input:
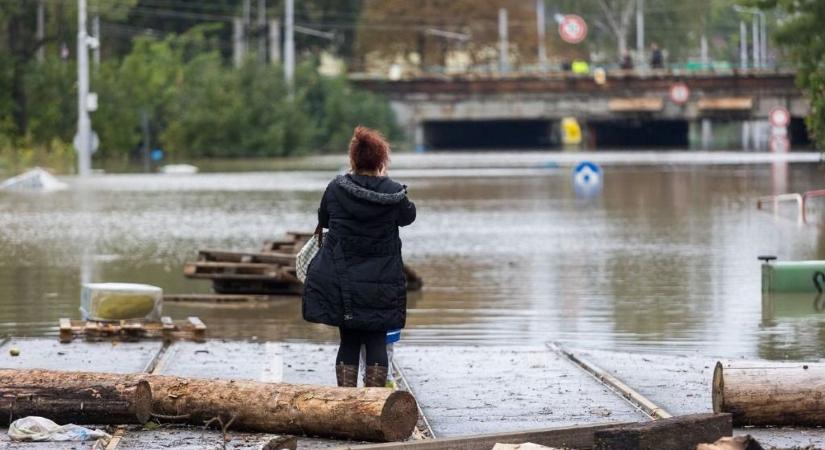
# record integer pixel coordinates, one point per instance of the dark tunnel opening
(488, 134)
(638, 133)
(798, 133)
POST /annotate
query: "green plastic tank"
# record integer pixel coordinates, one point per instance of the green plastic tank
(789, 289)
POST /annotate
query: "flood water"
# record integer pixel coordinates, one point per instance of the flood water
(664, 260)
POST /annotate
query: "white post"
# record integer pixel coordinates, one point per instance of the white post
(289, 41)
(540, 29)
(96, 34)
(274, 41)
(84, 123)
(503, 45)
(707, 134)
(41, 31)
(743, 45)
(238, 48)
(764, 39)
(640, 29)
(755, 27)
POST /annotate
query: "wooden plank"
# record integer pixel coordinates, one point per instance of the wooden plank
(116, 437)
(618, 386)
(636, 104)
(279, 258)
(725, 104)
(572, 437)
(66, 334)
(219, 298)
(676, 433)
(199, 333)
(135, 330)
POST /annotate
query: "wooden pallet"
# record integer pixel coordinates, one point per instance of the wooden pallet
(219, 298)
(192, 329)
(279, 258)
(238, 271)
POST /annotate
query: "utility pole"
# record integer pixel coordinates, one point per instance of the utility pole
(503, 63)
(274, 41)
(238, 47)
(41, 31)
(743, 45)
(540, 28)
(640, 29)
(757, 62)
(96, 33)
(764, 39)
(261, 31)
(247, 21)
(84, 123)
(289, 41)
(704, 51)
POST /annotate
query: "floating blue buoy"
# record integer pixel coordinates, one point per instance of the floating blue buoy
(156, 154)
(587, 179)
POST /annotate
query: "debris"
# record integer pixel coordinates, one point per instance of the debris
(14, 351)
(40, 429)
(179, 169)
(37, 179)
(525, 446)
(732, 443)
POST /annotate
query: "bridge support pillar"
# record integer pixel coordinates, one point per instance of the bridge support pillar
(418, 138)
(707, 134)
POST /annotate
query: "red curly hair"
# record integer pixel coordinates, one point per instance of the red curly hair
(369, 151)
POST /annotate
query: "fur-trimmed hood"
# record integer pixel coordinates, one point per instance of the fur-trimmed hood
(372, 193)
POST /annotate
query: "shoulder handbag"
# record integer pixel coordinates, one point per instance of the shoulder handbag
(308, 252)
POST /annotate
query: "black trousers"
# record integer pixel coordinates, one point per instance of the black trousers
(375, 343)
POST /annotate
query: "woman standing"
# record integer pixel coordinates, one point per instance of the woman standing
(356, 281)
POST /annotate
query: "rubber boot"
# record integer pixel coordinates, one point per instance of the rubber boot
(375, 376)
(346, 375)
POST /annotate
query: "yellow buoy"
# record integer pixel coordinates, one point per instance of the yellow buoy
(571, 132)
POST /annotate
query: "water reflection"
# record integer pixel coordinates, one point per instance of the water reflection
(664, 259)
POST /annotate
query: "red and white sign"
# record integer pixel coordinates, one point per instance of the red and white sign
(780, 144)
(572, 29)
(679, 93)
(779, 117)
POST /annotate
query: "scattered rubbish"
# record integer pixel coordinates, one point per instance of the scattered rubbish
(179, 169)
(34, 428)
(281, 443)
(14, 351)
(34, 180)
(732, 443)
(120, 301)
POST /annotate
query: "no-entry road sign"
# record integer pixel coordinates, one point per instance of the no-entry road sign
(779, 117)
(572, 29)
(679, 93)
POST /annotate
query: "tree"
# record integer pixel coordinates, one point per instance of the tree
(800, 32)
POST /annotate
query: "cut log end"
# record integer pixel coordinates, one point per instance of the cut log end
(399, 416)
(717, 394)
(143, 401)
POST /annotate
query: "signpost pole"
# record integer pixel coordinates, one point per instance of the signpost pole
(84, 123)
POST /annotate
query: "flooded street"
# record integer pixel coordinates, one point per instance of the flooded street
(664, 260)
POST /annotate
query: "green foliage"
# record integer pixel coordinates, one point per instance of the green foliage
(800, 32)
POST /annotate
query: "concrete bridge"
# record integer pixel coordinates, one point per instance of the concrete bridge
(628, 109)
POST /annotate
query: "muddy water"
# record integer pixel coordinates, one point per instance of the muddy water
(663, 260)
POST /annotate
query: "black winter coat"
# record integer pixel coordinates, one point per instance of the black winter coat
(356, 280)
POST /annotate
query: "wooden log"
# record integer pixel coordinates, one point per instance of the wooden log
(364, 414)
(70, 397)
(770, 393)
(676, 433)
(565, 437)
(369, 414)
